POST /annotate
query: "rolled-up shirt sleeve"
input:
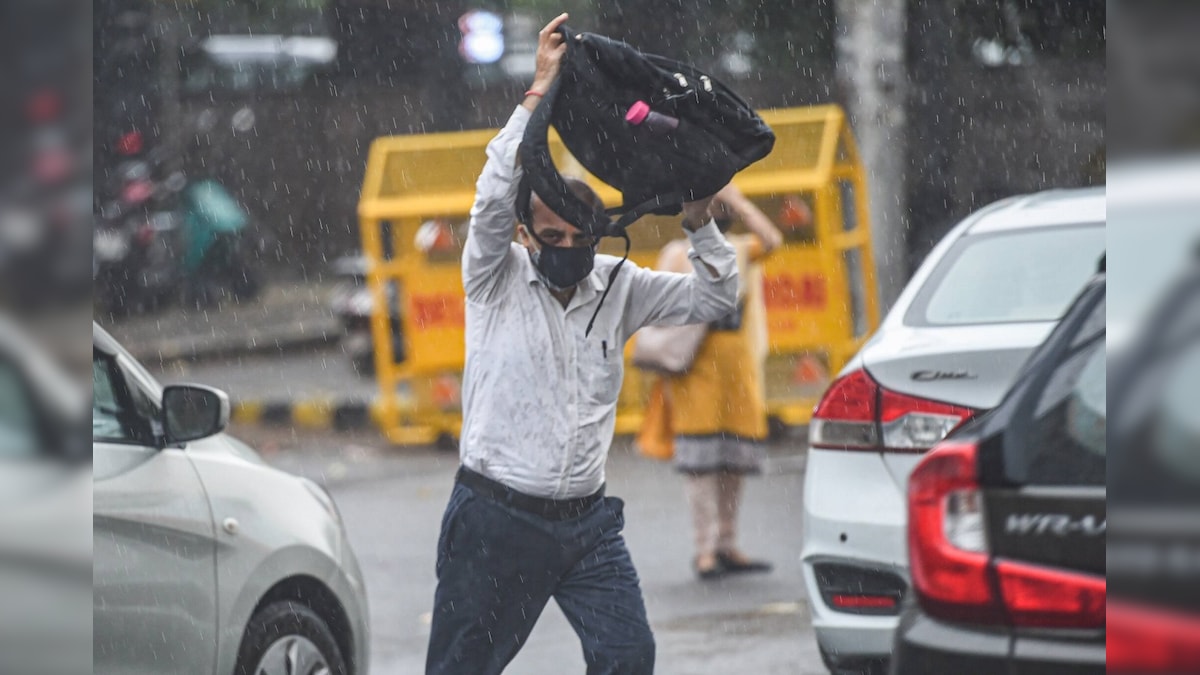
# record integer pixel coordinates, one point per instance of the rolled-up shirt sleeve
(708, 293)
(490, 234)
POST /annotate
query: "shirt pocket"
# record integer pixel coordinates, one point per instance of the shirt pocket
(602, 362)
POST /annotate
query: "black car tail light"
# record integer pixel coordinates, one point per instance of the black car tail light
(955, 577)
(1147, 639)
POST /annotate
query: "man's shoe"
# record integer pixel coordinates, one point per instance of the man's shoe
(734, 563)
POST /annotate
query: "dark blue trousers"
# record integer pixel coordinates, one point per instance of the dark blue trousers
(498, 566)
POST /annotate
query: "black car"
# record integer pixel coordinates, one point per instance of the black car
(1153, 565)
(1007, 521)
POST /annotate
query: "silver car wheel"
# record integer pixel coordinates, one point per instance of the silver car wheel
(292, 655)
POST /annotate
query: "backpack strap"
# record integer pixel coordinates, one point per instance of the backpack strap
(612, 277)
(630, 215)
(543, 178)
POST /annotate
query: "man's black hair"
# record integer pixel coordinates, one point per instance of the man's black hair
(579, 188)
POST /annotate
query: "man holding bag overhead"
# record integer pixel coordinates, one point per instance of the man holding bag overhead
(528, 519)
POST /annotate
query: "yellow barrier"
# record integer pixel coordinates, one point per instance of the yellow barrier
(819, 287)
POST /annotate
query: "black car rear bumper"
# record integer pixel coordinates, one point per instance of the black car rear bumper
(926, 646)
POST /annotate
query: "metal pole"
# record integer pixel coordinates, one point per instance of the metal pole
(872, 77)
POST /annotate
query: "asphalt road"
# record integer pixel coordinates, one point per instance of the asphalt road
(392, 501)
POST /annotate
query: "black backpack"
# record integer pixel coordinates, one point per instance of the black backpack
(601, 83)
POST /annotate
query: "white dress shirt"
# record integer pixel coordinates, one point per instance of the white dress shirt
(539, 398)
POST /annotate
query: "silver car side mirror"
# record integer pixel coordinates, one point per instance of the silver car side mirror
(192, 412)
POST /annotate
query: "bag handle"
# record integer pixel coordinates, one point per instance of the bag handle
(542, 176)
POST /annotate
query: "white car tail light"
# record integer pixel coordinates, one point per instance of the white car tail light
(856, 413)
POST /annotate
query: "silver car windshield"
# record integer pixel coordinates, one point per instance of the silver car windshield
(1012, 276)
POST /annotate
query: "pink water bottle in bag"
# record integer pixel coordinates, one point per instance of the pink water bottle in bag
(640, 113)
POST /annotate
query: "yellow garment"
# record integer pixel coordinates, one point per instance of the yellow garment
(656, 440)
(723, 392)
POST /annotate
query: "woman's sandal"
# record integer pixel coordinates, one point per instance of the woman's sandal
(715, 571)
(740, 564)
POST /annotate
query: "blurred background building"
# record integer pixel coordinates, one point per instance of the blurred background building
(969, 100)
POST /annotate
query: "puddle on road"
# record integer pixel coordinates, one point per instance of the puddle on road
(765, 619)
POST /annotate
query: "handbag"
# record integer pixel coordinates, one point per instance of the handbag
(669, 350)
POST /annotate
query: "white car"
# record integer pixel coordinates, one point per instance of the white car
(206, 560)
(989, 293)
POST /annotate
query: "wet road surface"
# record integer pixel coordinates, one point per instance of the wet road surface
(392, 501)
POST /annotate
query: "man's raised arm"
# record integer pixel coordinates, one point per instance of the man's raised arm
(707, 294)
(493, 213)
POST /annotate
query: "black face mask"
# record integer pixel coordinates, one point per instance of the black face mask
(562, 267)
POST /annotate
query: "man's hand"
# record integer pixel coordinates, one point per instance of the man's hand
(729, 202)
(551, 48)
(695, 214)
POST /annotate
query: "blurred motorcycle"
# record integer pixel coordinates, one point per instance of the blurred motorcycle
(134, 241)
(167, 239)
(45, 196)
(220, 256)
(353, 304)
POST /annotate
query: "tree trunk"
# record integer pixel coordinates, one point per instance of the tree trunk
(170, 112)
(871, 76)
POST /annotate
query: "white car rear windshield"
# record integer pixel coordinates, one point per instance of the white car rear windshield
(1009, 277)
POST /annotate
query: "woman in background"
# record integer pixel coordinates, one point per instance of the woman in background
(717, 410)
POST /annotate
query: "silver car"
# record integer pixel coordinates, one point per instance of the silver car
(206, 560)
(988, 294)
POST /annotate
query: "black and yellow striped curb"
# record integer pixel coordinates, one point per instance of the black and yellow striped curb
(319, 414)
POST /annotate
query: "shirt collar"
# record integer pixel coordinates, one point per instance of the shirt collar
(531, 273)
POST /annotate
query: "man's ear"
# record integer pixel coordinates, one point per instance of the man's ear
(523, 235)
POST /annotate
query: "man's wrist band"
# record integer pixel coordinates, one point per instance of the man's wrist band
(534, 92)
